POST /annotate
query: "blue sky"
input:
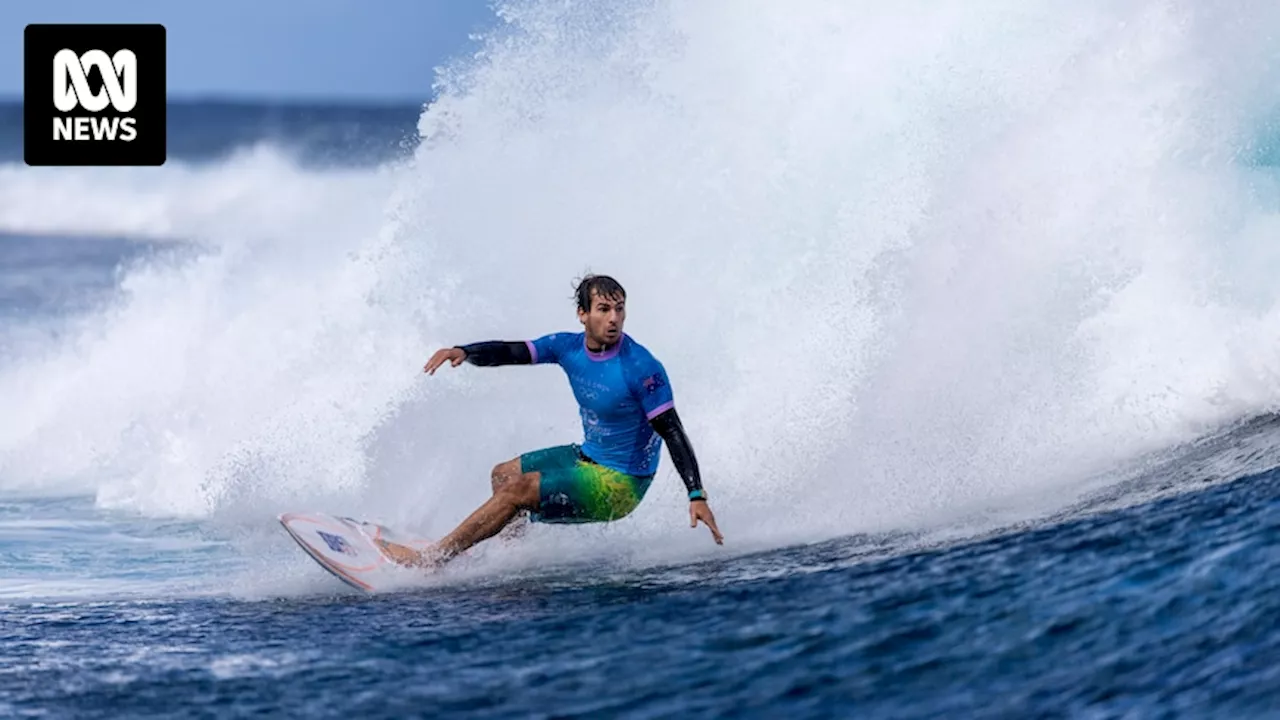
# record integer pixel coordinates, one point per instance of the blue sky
(291, 49)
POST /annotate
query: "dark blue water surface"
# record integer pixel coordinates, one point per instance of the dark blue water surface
(1166, 608)
(1155, 596)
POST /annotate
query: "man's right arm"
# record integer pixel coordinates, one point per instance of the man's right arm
(497, 352)
(545, 349)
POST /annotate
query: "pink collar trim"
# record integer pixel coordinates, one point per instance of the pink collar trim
(606, 354)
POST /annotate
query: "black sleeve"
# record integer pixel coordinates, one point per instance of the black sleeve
(497, 352)
(668, 426)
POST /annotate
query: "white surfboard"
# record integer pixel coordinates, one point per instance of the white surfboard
(346, 547)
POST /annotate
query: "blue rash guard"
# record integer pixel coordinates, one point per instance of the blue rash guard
(618, 391)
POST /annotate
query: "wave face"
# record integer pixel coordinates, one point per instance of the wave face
(902, 264)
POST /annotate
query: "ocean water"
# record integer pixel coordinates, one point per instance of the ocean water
(970, 311)
(311, 134)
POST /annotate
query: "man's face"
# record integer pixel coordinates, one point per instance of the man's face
(604, 320)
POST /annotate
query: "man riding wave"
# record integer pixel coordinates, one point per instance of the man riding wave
(627, 407)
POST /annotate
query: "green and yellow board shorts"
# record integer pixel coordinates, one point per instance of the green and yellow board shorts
(576, 489)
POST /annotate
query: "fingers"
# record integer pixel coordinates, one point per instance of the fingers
(705, 515)
(710, 520)
(453, 355)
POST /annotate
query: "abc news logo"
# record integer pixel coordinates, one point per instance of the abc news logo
(71, 90)
(94, 95)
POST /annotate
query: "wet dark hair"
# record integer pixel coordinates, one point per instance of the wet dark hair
(601, 285)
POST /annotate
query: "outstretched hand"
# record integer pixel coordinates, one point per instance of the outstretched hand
(700, 510)
(454, 356)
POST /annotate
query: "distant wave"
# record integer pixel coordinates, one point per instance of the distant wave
(313, 134)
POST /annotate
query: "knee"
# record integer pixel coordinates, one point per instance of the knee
(502, 474)
(496, 478)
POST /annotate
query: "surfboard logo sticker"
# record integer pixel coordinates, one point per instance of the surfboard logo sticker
(336, 543)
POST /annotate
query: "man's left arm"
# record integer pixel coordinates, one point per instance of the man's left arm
(667, 424)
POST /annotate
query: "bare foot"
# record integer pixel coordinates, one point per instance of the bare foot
(405, 555)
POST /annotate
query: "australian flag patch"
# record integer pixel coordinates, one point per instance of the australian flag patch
(653, 382)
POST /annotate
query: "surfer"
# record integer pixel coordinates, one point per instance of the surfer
(627, 409)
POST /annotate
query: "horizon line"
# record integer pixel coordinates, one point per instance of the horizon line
(230, 98)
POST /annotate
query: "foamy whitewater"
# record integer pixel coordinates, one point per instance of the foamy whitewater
(919, 274)
(893, 259)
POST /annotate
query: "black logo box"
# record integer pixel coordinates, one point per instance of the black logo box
(41, 43)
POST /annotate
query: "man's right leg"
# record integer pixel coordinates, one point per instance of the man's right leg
(513, 492)
(502, 474)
